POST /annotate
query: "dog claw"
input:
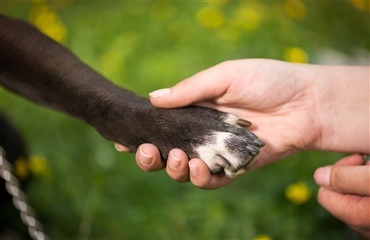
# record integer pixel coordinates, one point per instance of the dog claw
(259, 142)
(243, 123)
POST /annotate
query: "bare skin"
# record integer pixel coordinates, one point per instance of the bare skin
(345, 196)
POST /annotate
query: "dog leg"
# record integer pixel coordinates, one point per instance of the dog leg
(45, 72)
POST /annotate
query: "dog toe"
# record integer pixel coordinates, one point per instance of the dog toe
(236, 121)
(227, 152)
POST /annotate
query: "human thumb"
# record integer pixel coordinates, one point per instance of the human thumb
(347, 176)
(203, 86)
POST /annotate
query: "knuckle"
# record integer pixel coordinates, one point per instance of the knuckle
(177, 176)
(338, 178)
(201, 183)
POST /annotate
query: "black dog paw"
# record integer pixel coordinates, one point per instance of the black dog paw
(219, 139)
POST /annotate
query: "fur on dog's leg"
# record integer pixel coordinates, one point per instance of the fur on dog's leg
(40, 69)
(45, 72)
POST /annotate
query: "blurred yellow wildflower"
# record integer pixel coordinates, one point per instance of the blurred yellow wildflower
(295, 9)
(262, 237)
(298, 193)
(248, 18)
(21, 168)
(38, 165)
(48, 22)
(362, 5)
(295, 54)
(210, 17)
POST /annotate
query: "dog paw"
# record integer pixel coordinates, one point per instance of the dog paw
(230, 150)
(220, 139)
(228, 153)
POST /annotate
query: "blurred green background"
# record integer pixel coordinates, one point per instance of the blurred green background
(84, 189)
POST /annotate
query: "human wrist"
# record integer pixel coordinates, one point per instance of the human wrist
(341, 103)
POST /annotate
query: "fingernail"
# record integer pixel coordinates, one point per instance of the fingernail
(159, 93)
(145, 159)
(121, 148)
(322, 176)
(118, 147)
(194, 170)
(175, 161)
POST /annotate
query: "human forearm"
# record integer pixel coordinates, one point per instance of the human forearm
(342, 107)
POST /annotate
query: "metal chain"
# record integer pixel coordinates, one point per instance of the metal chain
(20, 199)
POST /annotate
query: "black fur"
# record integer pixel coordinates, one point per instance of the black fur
(40, 69)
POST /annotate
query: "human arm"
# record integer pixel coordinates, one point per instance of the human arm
(292, 107)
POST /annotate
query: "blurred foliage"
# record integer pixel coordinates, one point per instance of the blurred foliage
(83, 189)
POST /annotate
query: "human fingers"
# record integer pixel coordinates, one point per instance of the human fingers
(205, 85)
(352, 160)
(148, 158)
(121, 148)
(202, 178)
(353, 179)
(351, 209)
(177, 165)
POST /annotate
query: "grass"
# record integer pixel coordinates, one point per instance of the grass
(86, 190)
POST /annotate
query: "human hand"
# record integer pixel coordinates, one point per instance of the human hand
(291, 106)
(250, 89)
(345, 192)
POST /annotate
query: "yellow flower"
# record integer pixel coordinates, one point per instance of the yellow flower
(295, 54)
(21, 168)
(247, 18)
(295, 9)
(210, 17)
(38, 165)
(362, 5)
(262, 237)
(298, 193)
(48, 22)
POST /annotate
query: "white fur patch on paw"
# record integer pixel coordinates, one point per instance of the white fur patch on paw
(218, 156)
(231, 119)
